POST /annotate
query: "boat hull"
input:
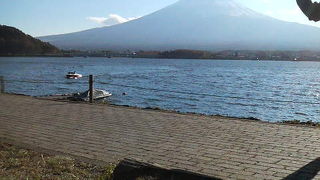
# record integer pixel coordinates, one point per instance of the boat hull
(73, 76)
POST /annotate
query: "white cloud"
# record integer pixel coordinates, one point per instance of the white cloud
(111, 20)
(99, 20)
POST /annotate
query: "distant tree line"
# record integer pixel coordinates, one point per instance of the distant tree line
(185, 54)
(233, 55)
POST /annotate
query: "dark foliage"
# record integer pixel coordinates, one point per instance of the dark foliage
(15, 42)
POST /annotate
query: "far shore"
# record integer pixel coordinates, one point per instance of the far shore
(264, 60)
(256, 55)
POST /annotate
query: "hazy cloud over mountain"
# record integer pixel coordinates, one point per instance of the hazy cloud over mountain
(111, 20)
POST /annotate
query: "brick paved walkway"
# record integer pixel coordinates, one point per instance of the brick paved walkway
(215, 146)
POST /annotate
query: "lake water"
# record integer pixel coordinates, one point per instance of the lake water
(268, 90)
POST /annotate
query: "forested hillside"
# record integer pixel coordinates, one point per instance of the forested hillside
(15, 42)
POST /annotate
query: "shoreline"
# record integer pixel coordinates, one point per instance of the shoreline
(63, 98)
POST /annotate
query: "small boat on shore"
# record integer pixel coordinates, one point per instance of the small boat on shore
(97, 95)
(73, 75)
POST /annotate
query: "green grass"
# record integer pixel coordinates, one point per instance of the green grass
(108, 172)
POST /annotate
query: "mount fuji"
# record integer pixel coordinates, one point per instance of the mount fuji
(196, 24)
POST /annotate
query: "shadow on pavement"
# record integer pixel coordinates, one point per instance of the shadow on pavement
(307, 172)
(131, 170)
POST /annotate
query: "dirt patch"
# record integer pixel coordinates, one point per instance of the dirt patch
(19, 163)
(22, 163)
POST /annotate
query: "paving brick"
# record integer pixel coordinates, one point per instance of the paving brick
(216, 146)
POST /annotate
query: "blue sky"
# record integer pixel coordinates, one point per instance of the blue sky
(46, 17)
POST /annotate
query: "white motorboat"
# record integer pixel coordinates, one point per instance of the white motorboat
(73, 75)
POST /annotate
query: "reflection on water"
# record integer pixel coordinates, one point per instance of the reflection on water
(271, 91)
